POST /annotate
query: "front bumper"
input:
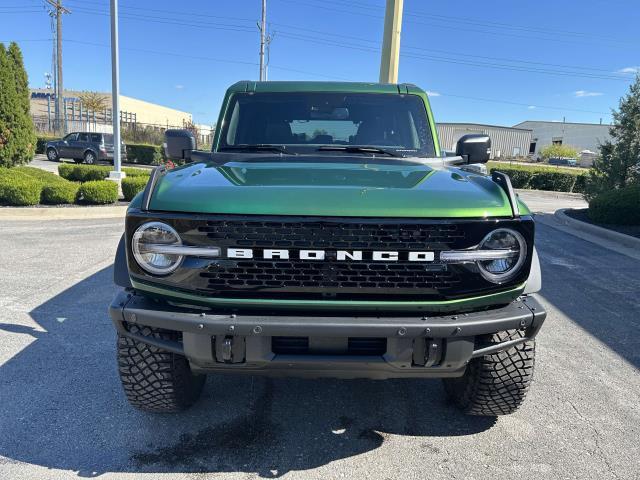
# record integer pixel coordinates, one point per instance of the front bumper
(416, 346)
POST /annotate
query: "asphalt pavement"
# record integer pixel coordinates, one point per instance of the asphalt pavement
(63, 414)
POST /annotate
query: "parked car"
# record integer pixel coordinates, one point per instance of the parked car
(562, 161)
(87, 147)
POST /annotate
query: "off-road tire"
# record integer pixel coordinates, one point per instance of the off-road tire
(153, 379)
(494, 384)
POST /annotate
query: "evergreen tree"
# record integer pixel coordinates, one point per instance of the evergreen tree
(17, 134)
(619, 163)
(23, 129)
(6, 102)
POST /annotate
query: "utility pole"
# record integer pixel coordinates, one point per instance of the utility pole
(391, 42)
(58, 11)
(263, 41)
(117, 174)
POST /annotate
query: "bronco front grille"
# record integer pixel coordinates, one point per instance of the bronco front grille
(330, 278)
(300, 275)
(402, 236)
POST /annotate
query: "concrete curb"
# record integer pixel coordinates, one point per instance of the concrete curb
(604, 233)
(71, 213)
(552, 193)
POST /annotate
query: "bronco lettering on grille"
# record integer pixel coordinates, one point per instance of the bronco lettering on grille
(339, 255)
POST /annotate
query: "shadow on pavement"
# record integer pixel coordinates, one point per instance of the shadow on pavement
(62, 408)
(596, 288)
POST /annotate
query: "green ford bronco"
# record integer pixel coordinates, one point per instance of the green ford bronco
(327, 235)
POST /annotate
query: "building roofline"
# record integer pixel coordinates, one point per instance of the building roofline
(484, 125)
(565, 123)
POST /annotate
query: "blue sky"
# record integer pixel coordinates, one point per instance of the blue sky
(498, 62)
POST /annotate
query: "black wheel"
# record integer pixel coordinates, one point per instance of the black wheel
(90, 158)
(52, 154)
(155, 380)
(495, 384)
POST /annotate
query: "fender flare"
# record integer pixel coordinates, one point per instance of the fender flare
(534, 282)
(120, 269)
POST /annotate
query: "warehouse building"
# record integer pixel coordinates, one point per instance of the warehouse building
(584, 137)
(78, 117)
(506, 142)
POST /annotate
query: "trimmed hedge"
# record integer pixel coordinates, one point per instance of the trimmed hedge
(136, 172)
(617, 207)
(83, 173)
(131, 186)
(60, 194)
(88, 173)
(98, 192)
(544, 178)
(21, 186)
(144, 154)
(20, 191)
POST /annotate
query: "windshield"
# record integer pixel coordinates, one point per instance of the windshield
(303, 122)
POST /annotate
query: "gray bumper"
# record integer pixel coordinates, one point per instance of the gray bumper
(418, 346)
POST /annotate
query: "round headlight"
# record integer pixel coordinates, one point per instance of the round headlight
(151, 245)
(511, 251)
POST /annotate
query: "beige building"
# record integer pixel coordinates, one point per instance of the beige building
(79, 117)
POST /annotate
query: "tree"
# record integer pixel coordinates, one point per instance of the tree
(618, 165)
(558, 151)
(17, 134)
(93, 101)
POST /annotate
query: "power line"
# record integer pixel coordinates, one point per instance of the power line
(550, 69)
(205, 58)
(447, 26)
(254, 64)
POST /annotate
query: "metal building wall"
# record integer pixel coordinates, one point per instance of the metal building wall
(582, 136)
(506, 142)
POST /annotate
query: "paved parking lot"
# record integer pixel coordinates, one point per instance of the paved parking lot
(62, 412)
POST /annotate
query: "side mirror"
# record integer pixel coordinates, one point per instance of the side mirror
(474, 148)
(179, 144)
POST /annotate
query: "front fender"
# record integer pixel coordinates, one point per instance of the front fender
(120, 270)
(534, 282)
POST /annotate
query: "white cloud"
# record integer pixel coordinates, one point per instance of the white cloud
(632, 70)
(432, 93)
(532, 107)
(586, 93)
(179, 87)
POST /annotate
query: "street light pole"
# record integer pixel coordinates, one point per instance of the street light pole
(390, 59)
(117, 174)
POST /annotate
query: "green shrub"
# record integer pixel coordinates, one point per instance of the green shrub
(519, 178)
(19, 190)
(617, 207)
(98, 192)
(87, 173)
(131, 186)
(581, 183)
(541, 178)
(83, 173)
(43, 176)
(143, 154)
(20, 184)
(136, 172)
(61, 193)
(553, 181)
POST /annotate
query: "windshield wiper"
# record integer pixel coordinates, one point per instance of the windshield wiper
(358, 149)
(257, 147)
